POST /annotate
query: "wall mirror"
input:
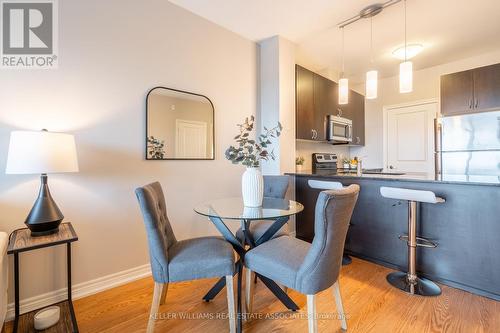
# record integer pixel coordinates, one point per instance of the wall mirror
(179, 125)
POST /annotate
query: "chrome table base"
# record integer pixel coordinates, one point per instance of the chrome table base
(422, 286)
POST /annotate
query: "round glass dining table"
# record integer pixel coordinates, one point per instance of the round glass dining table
(233, 209)
(273, 209)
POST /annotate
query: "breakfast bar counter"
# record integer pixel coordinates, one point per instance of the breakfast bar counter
(465, 227)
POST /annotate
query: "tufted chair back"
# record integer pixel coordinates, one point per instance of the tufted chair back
(275, 186)
(160, 234)
(321, 266)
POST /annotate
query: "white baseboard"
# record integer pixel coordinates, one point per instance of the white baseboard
(81, 290)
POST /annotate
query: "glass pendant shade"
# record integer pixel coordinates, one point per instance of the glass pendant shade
(406, 77)
(343, 91)
(371, 84)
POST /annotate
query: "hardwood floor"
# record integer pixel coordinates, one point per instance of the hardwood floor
(371, 305)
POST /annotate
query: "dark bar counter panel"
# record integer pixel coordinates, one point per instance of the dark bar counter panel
(466, 228)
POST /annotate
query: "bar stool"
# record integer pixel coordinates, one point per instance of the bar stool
(329, 185)
(410, 282)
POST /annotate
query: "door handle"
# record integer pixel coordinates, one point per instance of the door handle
(391, 167)
(358, 140)
(476, 104)
(470, 103)
(312, 134)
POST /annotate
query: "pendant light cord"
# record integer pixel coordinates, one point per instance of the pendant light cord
(371, 39)
(406, 45)
(342, 74)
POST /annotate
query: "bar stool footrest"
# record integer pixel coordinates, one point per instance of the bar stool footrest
(421, 242)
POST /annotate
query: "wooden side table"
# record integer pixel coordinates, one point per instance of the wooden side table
(21, 241)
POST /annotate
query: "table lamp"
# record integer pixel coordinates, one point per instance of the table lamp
(42, 152)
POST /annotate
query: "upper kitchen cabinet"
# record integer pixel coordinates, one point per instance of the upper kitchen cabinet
(304, 104)
(325, 103)
(487, 87)
(457, 93)
(471, 91)
(316, 98)
(355, 110)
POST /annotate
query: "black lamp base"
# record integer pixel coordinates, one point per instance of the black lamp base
(45, 232)
(45, 217)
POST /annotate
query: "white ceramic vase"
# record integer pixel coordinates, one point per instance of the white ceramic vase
(252, 187)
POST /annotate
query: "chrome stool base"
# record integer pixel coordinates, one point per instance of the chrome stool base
(422, 287)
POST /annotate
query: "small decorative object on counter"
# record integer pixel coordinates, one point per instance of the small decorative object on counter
(345, 163)
(299, 163)
(250, 152)
(354, 163)
(359, 168)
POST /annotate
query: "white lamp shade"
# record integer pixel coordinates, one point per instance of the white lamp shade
(343, 91)
(406, 77)
(371, 84)
(41, 152)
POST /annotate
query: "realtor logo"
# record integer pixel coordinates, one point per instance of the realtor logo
(29, 34)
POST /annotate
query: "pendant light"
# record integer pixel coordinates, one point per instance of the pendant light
(372, 75)
(343, 82)
(405, 68)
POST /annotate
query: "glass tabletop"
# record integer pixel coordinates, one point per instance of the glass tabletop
(233, 209)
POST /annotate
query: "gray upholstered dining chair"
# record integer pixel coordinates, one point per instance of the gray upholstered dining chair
(274, 187)
(311, 268)
(174, 261)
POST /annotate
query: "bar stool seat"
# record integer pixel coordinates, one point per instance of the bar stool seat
(409, 281)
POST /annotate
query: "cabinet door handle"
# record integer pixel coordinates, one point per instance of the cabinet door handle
(470, 103)
(315, 134)
(312, 134)
(358, 140)
(476, 104)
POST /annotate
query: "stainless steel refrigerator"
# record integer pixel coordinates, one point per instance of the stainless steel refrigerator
(468, 148)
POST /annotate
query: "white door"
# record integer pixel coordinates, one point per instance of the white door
(190, 139)
(410, 138)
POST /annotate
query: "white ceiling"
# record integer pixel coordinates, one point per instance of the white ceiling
(449, 29)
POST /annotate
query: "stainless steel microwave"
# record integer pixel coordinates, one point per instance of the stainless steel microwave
(339, 129)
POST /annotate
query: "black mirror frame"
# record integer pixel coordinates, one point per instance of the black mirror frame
(179, 159)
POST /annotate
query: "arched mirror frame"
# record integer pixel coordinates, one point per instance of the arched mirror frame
(147, 127)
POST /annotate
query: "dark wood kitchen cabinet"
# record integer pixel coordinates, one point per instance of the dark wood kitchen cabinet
(304, 95)
(325, 103)
(316, 98)
(487, 87)
(470, 91)
(355, 110)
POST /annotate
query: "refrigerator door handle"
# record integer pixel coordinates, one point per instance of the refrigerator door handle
(437, 149)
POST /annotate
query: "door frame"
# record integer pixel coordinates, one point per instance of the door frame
(387, 108)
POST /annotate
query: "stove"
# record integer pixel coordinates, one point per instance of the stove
(324, 161)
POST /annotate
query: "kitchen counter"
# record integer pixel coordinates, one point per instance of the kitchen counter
(466, 227)
(412, 177)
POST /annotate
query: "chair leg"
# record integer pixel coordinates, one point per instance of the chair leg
(164, 294)
(283, 287)
(230, 303)
(155, 304)
(311, 314)
(249, 290)
(340, 308)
